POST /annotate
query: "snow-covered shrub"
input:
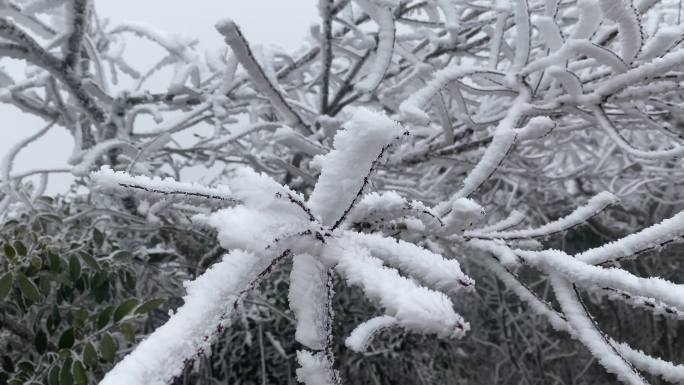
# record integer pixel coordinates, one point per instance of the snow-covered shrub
(75, 294)
(409, 138)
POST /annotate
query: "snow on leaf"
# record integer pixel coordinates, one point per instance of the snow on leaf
(415, 307)
(587, 332)
(272, 211)
(111, 181)
(411, 109)
(589, 21)
(570, 82)
(664, 40)
(628, 247)
(361, 336)
(523, 35)
(308, 300)
(234, 38)
(629, 26)
(315, 369)
(549, 31)
(585, 275)
(580, 215)
(656, 366)
(431, 269)
(91, 156)
(209, 298)
(382, 15)
(462, 215)
(346, 168)
(536, 128)
(379, 209)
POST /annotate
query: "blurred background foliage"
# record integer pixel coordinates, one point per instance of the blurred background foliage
(80, 285)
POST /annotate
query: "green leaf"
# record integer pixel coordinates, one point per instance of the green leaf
(56, 314)
(20, 248)
(63, 280)
(90, 261)
(66, 341)
(55, 263)
(5, 284)
(41, 341)
(9, 251)
(128, 331)
(98, 237)
(53, 377)
(80, 377)
(89, 355)
(149, 306)
(53, 320)
(80, 284)
(36, 262)
(74, 267)
(107, 347)
(25, 367)
(129, 281)
(125, 308)
(28, 289)
(100, 278)
(44, 285)
(80, 316)
(65, 377)
(47, 200)
(104, 317)
(51, 218)
(7, 364)
(120, 254)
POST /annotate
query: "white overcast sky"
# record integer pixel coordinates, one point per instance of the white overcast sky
(283, 23)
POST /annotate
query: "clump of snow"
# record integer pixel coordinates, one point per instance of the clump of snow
(266, 206)
(344, 169)
(381, 13)
(570, 82)
(462, 214)
(430, 268)
(497, 248)
(362, 335)
(629, 26)
(536, 128)
(380, 208)
(415, 307)
(308, 300)
(314, 369)
(549, 31)
(589, 21)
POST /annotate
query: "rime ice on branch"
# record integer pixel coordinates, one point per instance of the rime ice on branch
(412, 135)
(209, 301)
